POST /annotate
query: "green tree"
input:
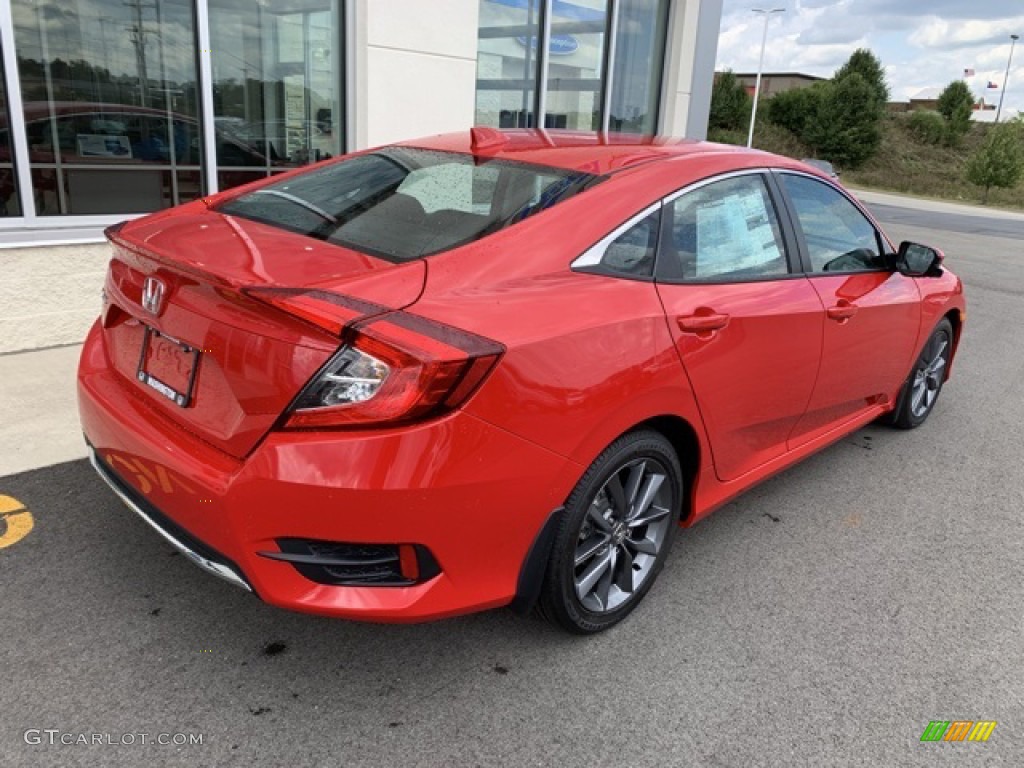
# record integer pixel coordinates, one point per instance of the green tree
(864, 63)
(999, 161)
(846, 126)
(730, 103)
(791, 109)
(956, 102)
(841, 119)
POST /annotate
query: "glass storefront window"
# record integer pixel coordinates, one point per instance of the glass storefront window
(575, 63)
(110, 104)
(507, 63)
(636, 73)
(10, 204)
(576, 87)
(276, 85)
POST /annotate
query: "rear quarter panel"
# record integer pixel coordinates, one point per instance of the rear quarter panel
(588, 357)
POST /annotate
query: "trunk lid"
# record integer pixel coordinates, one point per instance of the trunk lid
(181, 331)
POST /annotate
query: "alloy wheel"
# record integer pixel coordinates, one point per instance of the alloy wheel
(928, 376)
(622, 534)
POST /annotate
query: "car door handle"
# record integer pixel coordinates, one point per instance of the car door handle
(702, 322)
(842, 311)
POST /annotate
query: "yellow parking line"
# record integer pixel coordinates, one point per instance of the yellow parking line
(15, 521)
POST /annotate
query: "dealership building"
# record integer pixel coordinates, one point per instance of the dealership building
(110, 108)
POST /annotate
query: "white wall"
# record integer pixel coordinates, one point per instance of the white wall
(413, 69)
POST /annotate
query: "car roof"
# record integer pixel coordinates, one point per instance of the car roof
(587, 151)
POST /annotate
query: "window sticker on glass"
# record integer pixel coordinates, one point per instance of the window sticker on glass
(734, 234)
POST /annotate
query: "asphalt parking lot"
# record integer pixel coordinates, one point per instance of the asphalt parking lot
(821, 620)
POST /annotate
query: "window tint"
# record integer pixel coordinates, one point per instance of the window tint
(839, 238)
(632, 252)
(725, 230)
(403, 203)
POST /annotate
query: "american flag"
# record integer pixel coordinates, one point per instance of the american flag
(968, 72)
(993, 86)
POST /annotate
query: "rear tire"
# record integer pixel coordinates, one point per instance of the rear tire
(615, 533)
(921, 390)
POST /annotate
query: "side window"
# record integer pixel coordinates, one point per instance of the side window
(726, 230)
(839, 238)
(632, 252)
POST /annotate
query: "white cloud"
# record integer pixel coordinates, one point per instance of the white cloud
(921, 43)
(943, 33)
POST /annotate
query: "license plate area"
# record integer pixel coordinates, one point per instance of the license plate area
(168, 366)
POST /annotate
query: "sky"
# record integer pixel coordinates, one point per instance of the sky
(921, 43)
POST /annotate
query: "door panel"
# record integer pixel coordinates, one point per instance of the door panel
(754, 376)
(872, 313)
(866, 355)
(748, 332)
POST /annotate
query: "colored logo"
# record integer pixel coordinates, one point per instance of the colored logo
(958, 730)
(558, 45)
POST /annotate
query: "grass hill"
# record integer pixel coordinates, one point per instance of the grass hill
(902, 164)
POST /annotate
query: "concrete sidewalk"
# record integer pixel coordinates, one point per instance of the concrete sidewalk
(38, 411)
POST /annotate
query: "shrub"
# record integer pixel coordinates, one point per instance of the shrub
(791, 109)
(999, 161)
(926, 126)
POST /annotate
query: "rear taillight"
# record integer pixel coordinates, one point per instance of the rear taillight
(393, 367)
(326, 310)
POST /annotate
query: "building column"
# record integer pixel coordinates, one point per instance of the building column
(692, 46)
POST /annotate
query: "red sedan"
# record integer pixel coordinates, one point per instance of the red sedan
(493, 368)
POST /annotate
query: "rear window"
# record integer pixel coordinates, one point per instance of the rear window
(401, 203)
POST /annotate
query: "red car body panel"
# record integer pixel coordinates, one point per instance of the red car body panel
(888, 320)
(473, 493)
(587, 357)
(749, 412)
(253, 366)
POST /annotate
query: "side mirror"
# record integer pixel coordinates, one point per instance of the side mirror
(916, 260)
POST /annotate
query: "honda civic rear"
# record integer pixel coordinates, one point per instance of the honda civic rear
(260, 389)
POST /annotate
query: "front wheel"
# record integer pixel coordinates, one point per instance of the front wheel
(922, 388)
(615, 534)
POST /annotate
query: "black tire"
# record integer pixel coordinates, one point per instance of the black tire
(637, 544)
(912, 411)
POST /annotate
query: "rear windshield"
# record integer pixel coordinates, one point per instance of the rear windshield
(401, 203)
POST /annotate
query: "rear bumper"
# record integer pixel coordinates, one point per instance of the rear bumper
(474, 495)
(206, 558)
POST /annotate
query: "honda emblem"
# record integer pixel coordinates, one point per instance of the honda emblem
(153, 295)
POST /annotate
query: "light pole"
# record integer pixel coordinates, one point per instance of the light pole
(767, 13)
(1013, 42)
